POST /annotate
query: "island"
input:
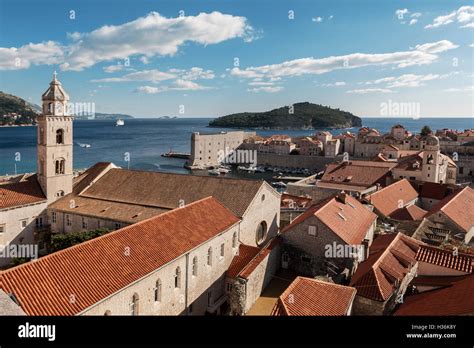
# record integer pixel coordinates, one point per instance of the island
(303, 115)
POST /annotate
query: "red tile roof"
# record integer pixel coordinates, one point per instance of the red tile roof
(358, 173)
(297, 201)
(393, 197)
(391, 258)
(306, 296)
(445, 258)
(410, 213)
(434, 190)
(458, 208)
(98, 268)
(249, 258)
(454, 299)
(27, 191)
(342, 214)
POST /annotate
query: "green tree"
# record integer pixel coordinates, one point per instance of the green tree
(426, 130)
(66, 240)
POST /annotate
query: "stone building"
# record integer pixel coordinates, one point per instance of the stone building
(382, 280)
(116, 274)
(249, 274)
(107, 196)
(331, 236)
(209, 149)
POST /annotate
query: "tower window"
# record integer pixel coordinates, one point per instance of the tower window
(177, 278)
(134, 304)
(60, 136)
(195, 266)
(59, 166)
(209, 256)
(158, 291)
(261, 232)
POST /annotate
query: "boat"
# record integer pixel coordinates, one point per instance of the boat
(213, 171)
(279, 184)
(120, 122)
(223, 170)
(83, 145)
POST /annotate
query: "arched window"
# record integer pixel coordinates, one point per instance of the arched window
(134, 304)
(177, 278)
(60, 136)
(234, 240)
(209, 256)
(195, 266)
(60, 166)
(107, 313)
(158, 291)
(261, 232)
(60, 193)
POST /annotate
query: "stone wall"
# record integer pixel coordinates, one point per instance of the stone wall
(293, 161)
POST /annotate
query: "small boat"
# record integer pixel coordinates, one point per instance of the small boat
(223, 170)
(213, 172)
(120, 122)
(279, 184)
(84, 145)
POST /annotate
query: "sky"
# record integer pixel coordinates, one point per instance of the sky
(211, 58)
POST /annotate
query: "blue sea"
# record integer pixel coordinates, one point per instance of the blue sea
(147, 139)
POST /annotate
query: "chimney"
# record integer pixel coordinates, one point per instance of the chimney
(342, 197)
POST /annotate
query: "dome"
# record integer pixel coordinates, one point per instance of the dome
(55, 92)
(432, 140)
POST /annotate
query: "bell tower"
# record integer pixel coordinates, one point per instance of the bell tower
(55, 145)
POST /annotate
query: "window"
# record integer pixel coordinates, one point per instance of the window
(312, 230)
(157, 291)
(261, 232)
(209, 256)
(177, 278)
(53, 217)
(2, 228)
(68, 220)
(59, 136)
(59, 166)
(209, 298)
(234, 240)
(229, 287)
(117, 226)
(222, 250)
(191, 308)
(107, 313)
(195, 266)
(23, 223)
(134, 304)
(60, 193)
(39, 221)
(84, 222)
(263, 198)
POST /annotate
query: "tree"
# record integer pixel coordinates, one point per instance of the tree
(426, 130)
(66, 240)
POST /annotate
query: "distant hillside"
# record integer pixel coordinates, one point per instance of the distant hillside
(305, 116)
(16, 111)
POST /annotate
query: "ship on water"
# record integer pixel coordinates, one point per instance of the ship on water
(120, 122)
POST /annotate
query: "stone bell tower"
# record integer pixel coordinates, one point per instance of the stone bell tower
(55, 145)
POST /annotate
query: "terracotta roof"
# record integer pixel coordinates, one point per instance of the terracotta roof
(458, 208)
(412, 213)
(434, 190)
(393, 197)
(165, 190)
(436, 281)
(445, 258)
(242, 259)
(455, 299)
(298, 201)
(90, 175)
(348, 219)
(249, 258)
(96, 269)
(307, 296)
(27, 191)
(391, 258)
(408, 162)
(359, 173)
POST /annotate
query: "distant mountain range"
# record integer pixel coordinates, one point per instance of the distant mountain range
(17, 111)
(303, 115)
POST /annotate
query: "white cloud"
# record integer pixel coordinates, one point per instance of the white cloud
(462, 89)
(335, 84)
(413, 21)
(420, 55)
(400, 13)
(154, 75)
(415, 15)
(408, 80)
(471, 45)
(369, 90)
(151, 35)
(468, 25)
(462, 15)
(196, 73)
(178, 85)
(45, 53)
(331, 17)
(144, 59)
(261, 83)
(267, 89)
(317, 19)
(113, 68)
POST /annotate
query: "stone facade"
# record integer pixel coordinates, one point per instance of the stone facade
(196, 295)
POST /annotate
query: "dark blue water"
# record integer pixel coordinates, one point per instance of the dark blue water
(147, 139)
